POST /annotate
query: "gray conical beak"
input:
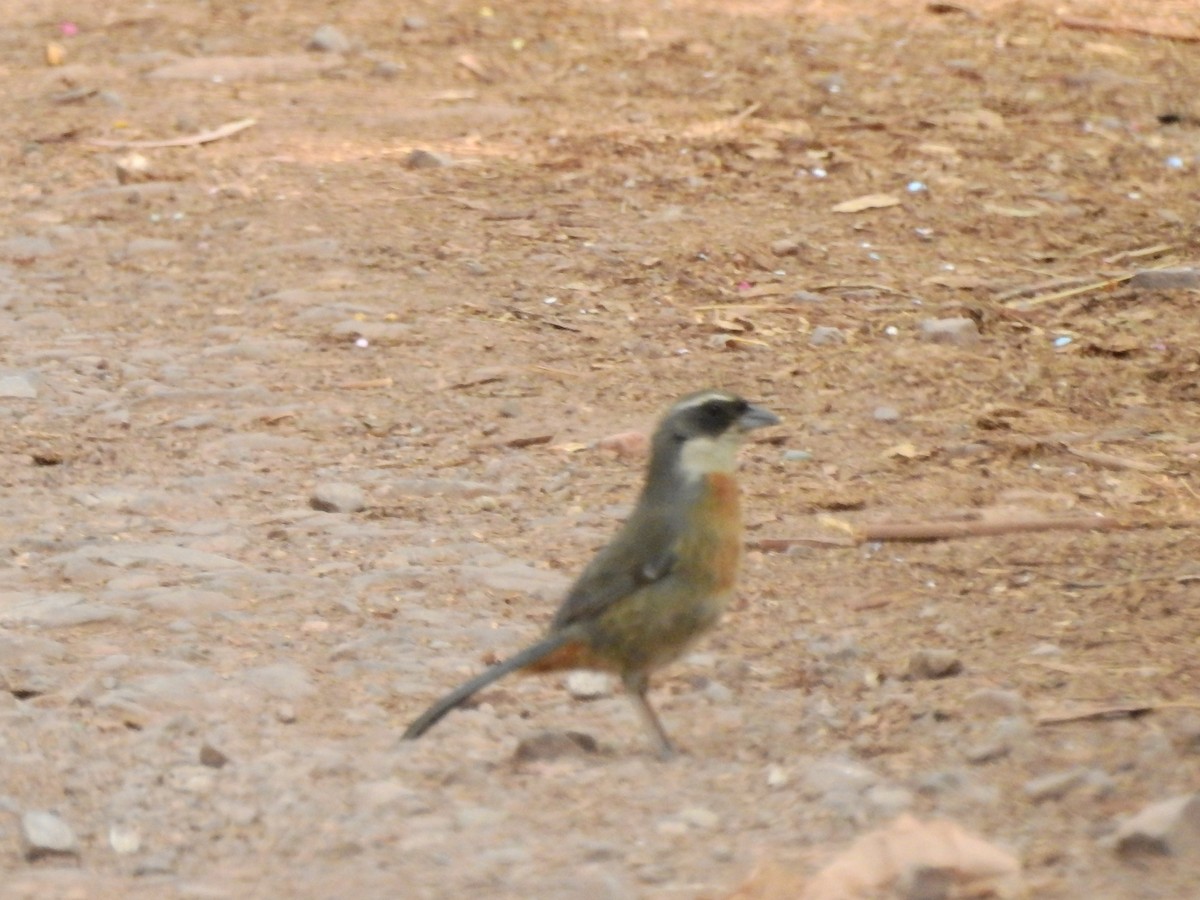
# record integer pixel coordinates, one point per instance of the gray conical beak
(757, 417)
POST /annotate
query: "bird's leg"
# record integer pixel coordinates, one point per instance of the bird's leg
(636, 685)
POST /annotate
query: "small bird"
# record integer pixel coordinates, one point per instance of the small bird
(666, 576)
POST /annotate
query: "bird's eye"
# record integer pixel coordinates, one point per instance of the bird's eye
(713, 409)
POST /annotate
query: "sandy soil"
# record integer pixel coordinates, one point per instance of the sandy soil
(447, 259)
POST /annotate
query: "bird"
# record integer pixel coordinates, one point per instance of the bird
(666, 576)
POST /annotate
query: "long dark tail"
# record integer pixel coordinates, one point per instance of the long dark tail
(463, 692)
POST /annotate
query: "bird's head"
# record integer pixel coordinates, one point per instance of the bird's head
(701, 433)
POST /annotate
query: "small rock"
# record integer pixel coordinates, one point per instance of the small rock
(585, 685)
(338, 496)
(777, 777)
(959, 331)
(837, 775)
(386, 69)
(554, 745)
(796, 456)
(285, 713)
(992, 702)
(425, 159)
(124, 840)
(374, 332)
(1169, 827)
(414, 23)
(18, 386)
(885, 414)
(212, 757)
(786, 247)
(46, 834)
(1045, 650)
(1056, 785)
(190, 779)
(700, 817)
(1177, 279)
(132, 168)
(826, 335)
(328, 39)
(999, 741)
(933, 663)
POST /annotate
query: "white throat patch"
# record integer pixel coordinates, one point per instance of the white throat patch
(704, 455)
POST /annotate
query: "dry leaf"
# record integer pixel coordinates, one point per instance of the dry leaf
(906, 451)
(867, 201)
(908, 851)
(627, 444)
(472, 64)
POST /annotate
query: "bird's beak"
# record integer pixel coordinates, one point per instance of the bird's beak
(757, 417)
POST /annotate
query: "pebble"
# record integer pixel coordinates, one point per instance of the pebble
(958, 331)
(1176, 279)
(125, 841)
(425, 159)
(1004, 734)
(826, 335)
(191, 779)
(329, 39)
(837, 775)
(339, 497)
(554, 745)
(212, 757)
(786, 247)
(46, 834)
(133, 168)
(993, 702)
(583, 684)
(1168, 827)
(885, 414)
(18, 386)
(1056, 785)
(934, 662)
(700, 817)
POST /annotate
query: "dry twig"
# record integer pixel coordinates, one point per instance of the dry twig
(189, 140)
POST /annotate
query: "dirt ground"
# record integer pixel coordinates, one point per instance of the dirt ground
(454, 251)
